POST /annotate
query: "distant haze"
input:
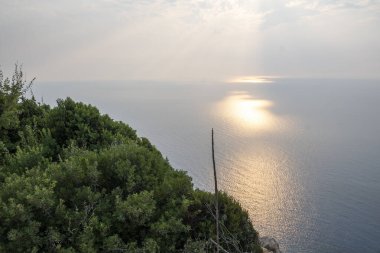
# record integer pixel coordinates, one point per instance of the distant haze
(190, 40)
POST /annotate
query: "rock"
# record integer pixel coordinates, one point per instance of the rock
(265, 250)
(270, 244)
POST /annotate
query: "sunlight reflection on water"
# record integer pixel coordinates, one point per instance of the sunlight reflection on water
(257, 174)
(249, 114)
(261, 178)
(251, 79)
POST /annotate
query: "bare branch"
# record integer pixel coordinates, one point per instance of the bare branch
(216, 190)
(218, 246)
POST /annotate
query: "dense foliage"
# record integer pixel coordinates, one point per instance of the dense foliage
(73, 180)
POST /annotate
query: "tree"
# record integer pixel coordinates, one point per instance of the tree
(73, 180)
(11, 92)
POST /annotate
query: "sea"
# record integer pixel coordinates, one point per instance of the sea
(302, 156)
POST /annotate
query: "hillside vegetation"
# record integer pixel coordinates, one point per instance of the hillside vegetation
(73, 180)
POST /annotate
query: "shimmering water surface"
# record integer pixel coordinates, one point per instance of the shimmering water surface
(302, 156)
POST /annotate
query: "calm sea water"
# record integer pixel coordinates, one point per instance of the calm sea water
(302, 156)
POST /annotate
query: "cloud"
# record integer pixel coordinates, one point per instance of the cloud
(147, 39)
(328, 5)
(199, 39)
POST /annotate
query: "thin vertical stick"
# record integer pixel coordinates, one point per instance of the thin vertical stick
(216, 192)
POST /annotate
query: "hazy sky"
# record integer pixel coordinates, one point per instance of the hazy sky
(190, 40)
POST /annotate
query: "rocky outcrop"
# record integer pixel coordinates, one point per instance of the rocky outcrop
(270, 244)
